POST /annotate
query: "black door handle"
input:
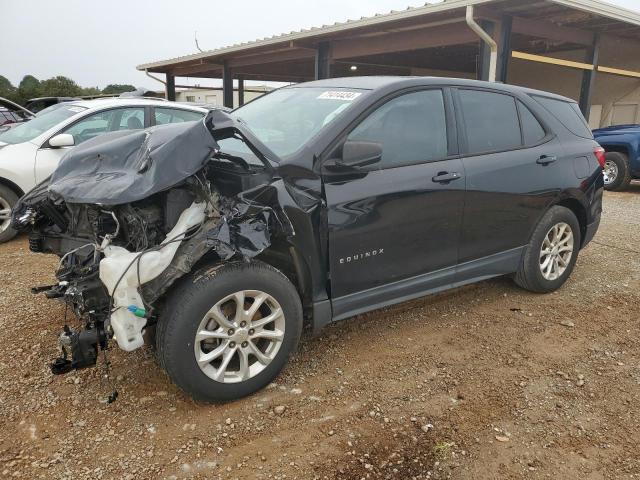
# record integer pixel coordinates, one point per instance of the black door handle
(446, 177)
(546, 159)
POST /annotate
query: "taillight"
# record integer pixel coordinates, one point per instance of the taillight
(600, 155)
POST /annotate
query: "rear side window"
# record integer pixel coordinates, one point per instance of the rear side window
(532, 131)
(131, 119)
(174, 115)
(567, 113)
(491, 121)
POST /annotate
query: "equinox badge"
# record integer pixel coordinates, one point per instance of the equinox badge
(362, 256)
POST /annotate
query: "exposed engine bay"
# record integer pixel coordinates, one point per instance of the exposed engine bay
(130, 213)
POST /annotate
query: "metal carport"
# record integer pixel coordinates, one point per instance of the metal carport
(586, 37)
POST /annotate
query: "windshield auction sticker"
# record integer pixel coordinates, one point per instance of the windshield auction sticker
(339, 95)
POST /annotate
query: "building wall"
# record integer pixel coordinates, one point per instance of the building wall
(616, 99)
(214, 97)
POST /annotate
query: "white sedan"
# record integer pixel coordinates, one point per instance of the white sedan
(30, 152)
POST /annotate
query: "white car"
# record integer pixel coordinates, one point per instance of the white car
(30, 152)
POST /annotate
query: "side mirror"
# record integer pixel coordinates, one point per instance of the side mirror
(360, 153)
(62, 140)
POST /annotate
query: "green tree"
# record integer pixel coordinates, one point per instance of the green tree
(91, 91)
(60, 87)
(116, 88)
(29, 88)
(7, 90)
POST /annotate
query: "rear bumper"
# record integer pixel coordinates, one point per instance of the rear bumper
(592, 228)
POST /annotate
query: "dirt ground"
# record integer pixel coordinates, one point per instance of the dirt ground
(487, 381)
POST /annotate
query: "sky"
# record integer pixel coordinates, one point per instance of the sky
(97, 46)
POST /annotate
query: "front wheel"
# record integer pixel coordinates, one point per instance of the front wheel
(227, 332)
(552, 252)
(8, 200)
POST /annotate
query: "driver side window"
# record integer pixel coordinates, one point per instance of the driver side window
(412, 128)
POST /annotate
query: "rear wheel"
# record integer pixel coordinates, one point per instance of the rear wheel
(229, 331)
(7, 201)
(616, 173)
(552, 252)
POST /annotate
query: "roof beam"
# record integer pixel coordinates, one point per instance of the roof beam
(271, 57)
(274, 77)
(551, 60)
(551, 31)
(188, 70)
(618, 71)
(439, 36)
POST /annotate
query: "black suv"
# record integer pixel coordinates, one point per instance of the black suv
(219, 240)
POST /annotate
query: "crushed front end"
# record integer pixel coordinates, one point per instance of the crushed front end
(130, 213)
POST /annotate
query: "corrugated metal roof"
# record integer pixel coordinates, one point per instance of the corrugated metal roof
(591, 6)
(318, 31)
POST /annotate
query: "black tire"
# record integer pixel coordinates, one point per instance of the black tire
(530, 276)
(188, 304)
(7, 198)
(622, 178)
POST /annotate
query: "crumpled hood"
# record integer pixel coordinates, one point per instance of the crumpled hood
(124, 167)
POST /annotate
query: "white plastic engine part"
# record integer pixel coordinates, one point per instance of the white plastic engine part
(127, 326)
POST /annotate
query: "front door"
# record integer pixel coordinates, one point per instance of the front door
(47, 159)
(394, 222)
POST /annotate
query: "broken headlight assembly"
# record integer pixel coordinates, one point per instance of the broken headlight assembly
(125, 235)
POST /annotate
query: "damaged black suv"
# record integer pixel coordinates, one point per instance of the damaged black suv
(220, 240)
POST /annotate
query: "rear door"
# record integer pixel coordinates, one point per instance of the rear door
(399, 218)
(513, 166)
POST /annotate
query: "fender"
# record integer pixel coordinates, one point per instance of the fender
(581, 202)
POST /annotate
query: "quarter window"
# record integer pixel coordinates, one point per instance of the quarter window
(412, 129)
(491, 121)
(568, 113)
(532, 131)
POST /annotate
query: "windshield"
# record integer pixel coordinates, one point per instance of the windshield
(40, 124)
(288, 118)
(51, 108)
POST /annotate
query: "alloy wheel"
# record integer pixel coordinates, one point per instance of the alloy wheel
(5, 214)
(556, 251)
(610, 172)
(239, 336)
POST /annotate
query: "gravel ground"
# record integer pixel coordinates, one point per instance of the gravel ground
(487, 381)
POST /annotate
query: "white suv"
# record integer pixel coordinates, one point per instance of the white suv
(30, 152)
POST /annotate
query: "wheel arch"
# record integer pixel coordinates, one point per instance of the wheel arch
(287, 259)
(579, 211)
(12, 186)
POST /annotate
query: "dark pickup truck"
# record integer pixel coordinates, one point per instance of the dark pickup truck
(622, 146)
(218, 241)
